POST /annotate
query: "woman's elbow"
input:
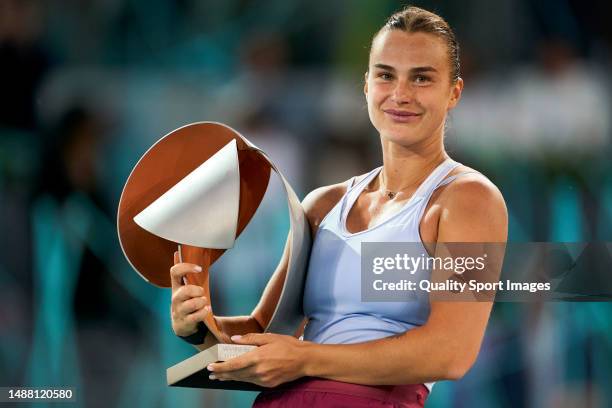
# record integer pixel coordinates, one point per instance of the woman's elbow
(456, 372)
(458, 366)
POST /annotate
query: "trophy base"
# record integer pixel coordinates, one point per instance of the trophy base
(192, 372)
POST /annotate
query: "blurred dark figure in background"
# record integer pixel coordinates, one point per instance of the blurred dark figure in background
(79, 307)
(68, 167)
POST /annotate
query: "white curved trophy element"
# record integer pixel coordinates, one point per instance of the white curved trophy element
(178, 216)
(289, 313)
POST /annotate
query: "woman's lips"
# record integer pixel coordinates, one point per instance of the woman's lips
(402, 116)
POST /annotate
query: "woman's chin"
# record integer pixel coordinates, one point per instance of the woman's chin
(401, 136)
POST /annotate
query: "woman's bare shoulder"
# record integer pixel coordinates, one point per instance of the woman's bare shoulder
(469, 187)
(471, 203)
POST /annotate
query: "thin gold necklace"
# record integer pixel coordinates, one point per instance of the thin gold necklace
(392, 194)
(389, 193)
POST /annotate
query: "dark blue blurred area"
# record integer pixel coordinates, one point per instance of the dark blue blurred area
(87, 86)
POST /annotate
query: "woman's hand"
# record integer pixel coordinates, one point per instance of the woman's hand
(189, 305)
(188, 302)
(277, 360)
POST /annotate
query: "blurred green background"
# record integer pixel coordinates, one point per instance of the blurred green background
(88, 85)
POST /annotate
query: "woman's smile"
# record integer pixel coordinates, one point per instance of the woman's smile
(402, 116)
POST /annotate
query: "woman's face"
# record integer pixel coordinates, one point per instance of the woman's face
(408, 86)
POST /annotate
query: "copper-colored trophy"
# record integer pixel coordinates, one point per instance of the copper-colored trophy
(194, 191)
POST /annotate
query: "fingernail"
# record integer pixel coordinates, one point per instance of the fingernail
(207, 308)
(210, 368)
(198, 268)
(236, 337)
(212, 377)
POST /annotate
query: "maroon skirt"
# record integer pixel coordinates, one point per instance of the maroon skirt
(315, 392)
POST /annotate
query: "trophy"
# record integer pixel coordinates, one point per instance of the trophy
(195, 190)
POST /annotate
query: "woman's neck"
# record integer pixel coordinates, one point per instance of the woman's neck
(404, 168)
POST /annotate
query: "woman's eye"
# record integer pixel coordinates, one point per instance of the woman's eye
(385, 75)
(421, 79)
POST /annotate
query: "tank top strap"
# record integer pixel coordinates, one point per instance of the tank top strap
(354, 189)
(364, 180)
(433, 180)
(338, 210)
(440, 180)
(351, 182)
(450, 179)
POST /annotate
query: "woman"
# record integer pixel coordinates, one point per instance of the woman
(357, 353)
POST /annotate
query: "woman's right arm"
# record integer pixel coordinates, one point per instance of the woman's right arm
(189, 306)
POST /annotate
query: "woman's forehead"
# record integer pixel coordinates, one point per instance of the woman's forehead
(403, 50)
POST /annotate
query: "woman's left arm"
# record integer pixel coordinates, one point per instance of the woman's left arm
(445, 347)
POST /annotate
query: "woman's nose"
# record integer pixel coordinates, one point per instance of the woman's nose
(403, 92)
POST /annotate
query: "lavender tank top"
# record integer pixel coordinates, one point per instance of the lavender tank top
(332, 293)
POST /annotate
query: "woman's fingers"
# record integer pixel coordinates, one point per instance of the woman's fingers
(198, 315)
(245, 374)
(188, 310)
(186, 292)
(191, 305)
(178, 271)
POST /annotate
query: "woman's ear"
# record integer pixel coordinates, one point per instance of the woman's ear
(456, 90)
(365, 84)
